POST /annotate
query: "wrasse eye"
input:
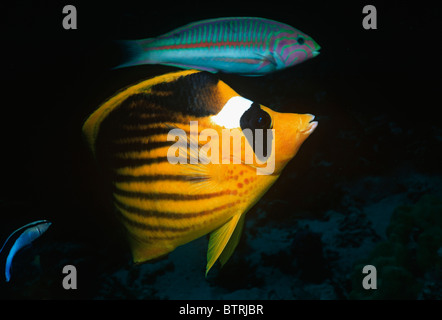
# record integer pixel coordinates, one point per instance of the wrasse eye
(256, 118)
(300, 40)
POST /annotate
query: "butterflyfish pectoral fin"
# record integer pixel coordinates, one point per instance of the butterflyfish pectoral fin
(219, 240)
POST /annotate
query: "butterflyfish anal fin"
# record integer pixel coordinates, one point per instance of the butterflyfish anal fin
(219, 239)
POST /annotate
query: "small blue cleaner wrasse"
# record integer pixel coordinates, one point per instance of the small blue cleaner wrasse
(164, 204)
(24, 236)
(242, 45)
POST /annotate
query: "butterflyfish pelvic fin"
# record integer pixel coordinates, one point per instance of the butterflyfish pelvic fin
(219, 241)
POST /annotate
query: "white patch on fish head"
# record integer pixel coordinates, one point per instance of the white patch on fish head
(231, 113)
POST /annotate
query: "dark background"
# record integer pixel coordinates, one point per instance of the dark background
(375, 94)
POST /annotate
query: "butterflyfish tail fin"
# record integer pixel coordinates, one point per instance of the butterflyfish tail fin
(218, 241)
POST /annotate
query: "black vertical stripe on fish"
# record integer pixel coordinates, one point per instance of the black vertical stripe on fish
(147, 227)
(143, 119)
(159, 177)
(139, 146)
(168, 196)
(118, 163)
(150, 237)
(129, 132)
(171, 215)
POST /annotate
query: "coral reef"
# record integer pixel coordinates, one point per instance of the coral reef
(411, 252)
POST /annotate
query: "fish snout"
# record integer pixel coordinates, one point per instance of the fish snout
(291, 130)
(316, 48)
(307, 125)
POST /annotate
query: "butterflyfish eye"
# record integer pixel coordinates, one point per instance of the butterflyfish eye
(256, 118)
(301, 40)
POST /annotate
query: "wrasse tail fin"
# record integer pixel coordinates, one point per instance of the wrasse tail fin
(218, 241)
(133, 52)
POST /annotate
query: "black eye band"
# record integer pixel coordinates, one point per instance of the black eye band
(256, 118)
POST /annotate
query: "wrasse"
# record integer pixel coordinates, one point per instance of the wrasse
(242, 45)
(22, 237)
(163, 203)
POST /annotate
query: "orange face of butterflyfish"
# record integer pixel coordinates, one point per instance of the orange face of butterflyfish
(187, 156)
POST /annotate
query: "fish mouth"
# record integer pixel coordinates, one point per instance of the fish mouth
(311, 125)
(316, 51)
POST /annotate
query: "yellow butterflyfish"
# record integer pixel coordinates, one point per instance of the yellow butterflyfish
(185, 156)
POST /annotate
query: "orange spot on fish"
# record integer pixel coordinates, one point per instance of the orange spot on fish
(246, 181)
(239, 185)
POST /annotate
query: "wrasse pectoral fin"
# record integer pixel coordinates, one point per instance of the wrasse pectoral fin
(219, 239)
(266, 60)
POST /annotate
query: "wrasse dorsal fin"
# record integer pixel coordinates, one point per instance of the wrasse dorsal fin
(219, 239)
